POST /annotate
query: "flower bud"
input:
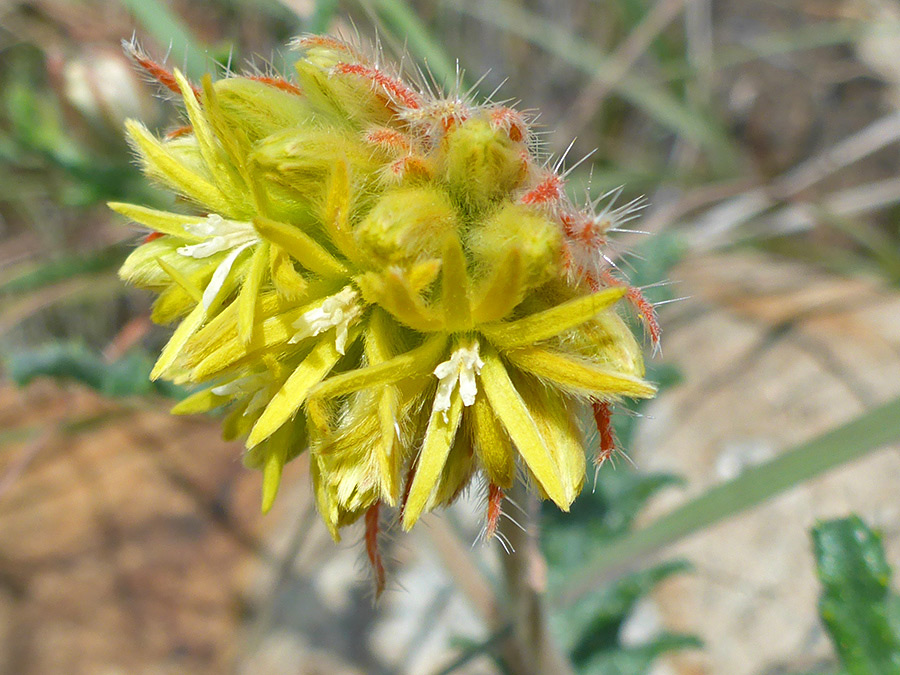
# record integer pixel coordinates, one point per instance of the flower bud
(344, 97)
(482, 164)
(296, 165)
(259, 109)
(527, 230)
(406, 224)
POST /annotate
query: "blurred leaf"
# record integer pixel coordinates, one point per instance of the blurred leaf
(322, 16)
(776, 43)
(857, 605)
(474, 649)
(867, 432)
(64, 267)
(39, 141)
(598, 516)
(635, 660)
(129, 376)
(592, 624)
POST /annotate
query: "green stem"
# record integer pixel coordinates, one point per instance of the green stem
(850, 441)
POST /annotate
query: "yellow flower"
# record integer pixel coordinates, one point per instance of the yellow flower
(395, 282)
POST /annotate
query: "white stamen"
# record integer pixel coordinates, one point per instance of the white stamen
(464, 364)
(338, 311)
(221, 234)
(254, 386)
(221, 274)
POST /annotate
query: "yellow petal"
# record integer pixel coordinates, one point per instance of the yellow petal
(389, 450)
(276, 456)
(160, 221)
(192, 289)
(222, 172)
(174, 346)
(551, 322)
(579, 376)
(455, 287)
(503, 291)
(199, 402)
(293, 393)
(380, 348)
(422, 274)
(435, 448)
(289, 284)
(230, 351)
(560, 432)
(492, 444)
(328, 508)
(418, 361)
(519, 424)
(337, 211)
(163, 165)
(303, 248)
(393, 292)
(237, 424)
(455, 475)
(249, 295)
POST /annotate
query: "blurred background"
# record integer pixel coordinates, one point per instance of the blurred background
(764, 136)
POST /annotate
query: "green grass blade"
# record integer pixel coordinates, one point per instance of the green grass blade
(401, 21)
(779, 43)
(850, 441)
(322, 15)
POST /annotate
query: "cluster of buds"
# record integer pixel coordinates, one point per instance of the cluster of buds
(389, 280)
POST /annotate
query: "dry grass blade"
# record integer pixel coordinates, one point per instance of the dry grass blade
(622, 60)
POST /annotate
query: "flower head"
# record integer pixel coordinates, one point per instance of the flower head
(394, 282)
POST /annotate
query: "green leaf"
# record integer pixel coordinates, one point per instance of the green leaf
(322, 16)
(61, 268)
(592, 624)
(857, 605)
(636, 660)
(129, 376)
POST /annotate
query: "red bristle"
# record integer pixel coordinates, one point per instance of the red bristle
(494, 506)
(161, 74)
(389, 138)
(644, 307)
(547, 191)
(153, 236)
(372, 551)
(603, 419)
(510, 121)
(278, 83)
(569, 224)
(180, 131)
(393, 86)
(310, 41)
